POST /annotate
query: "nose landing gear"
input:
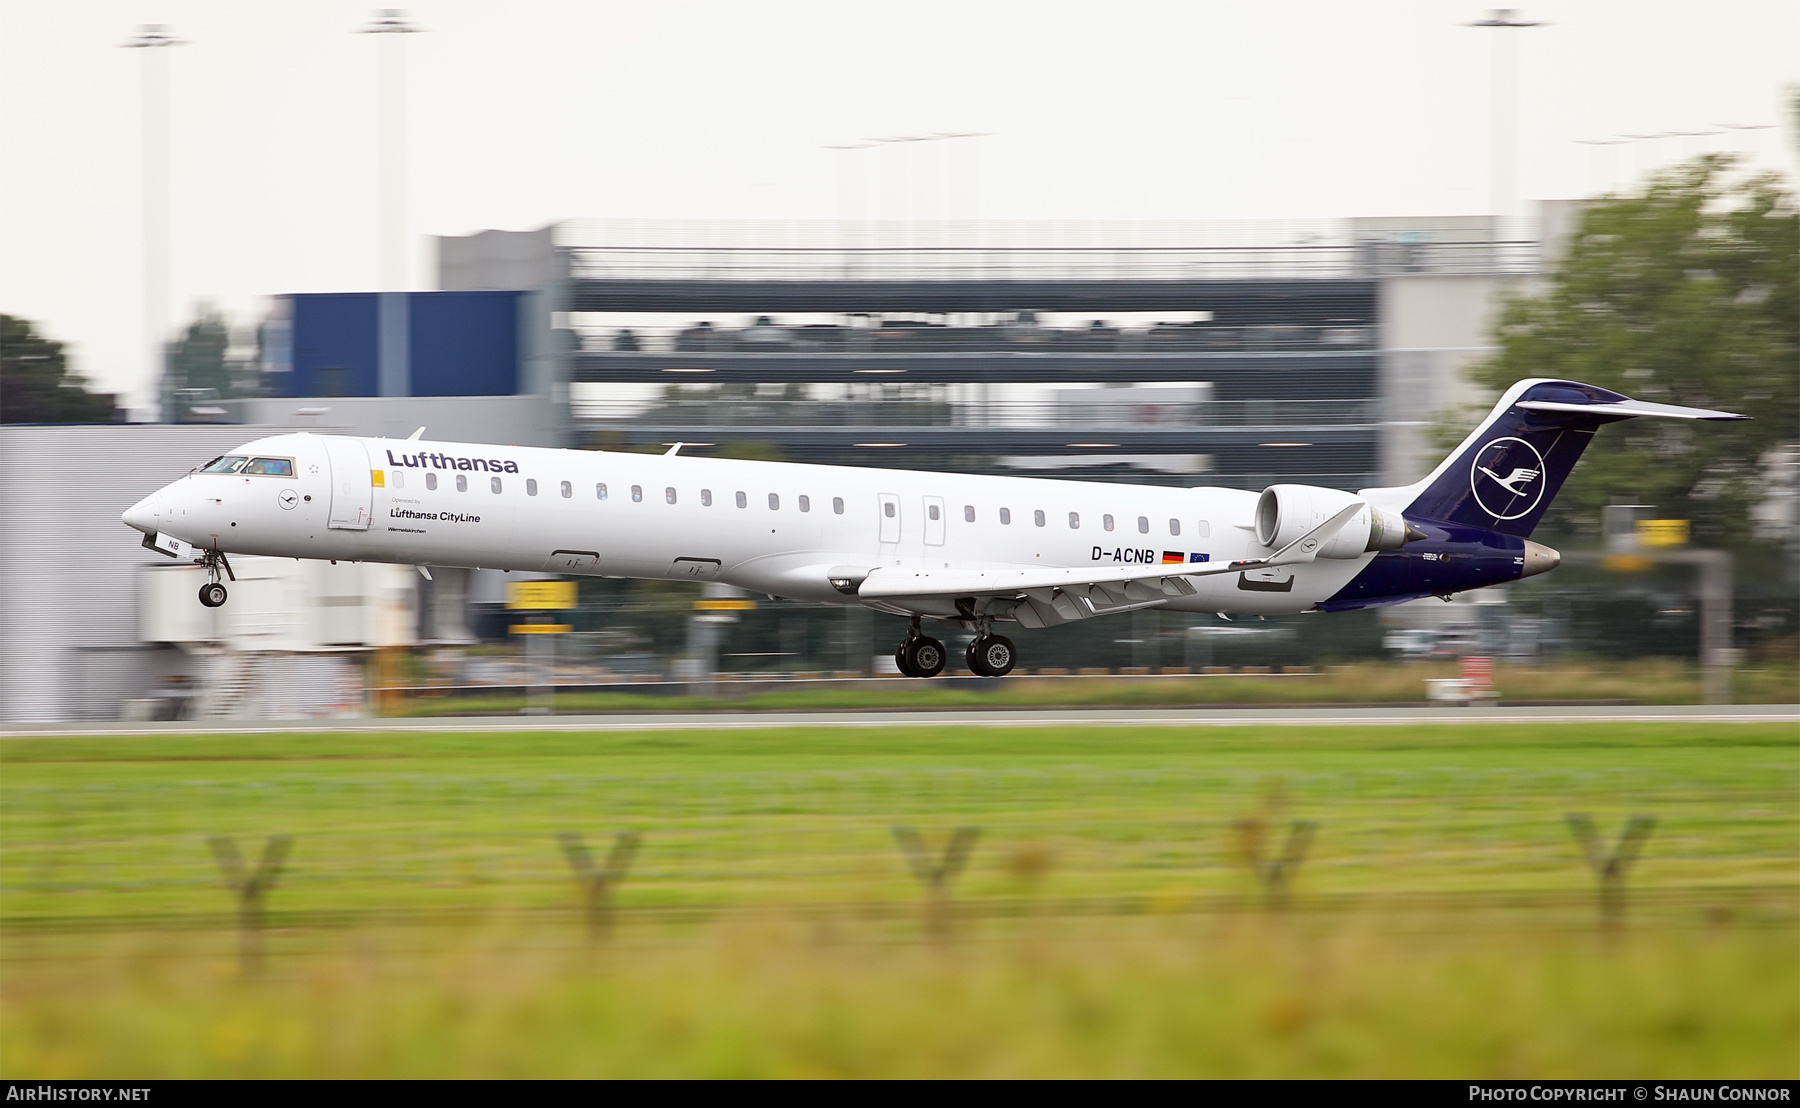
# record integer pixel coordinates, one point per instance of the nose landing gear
(212, 594)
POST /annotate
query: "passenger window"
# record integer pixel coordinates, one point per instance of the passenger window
(1174, 527)
(227, 464)
(1037, 517)
(1106, 522)
(669, 495)
(1074, 521)
(397, 480)
(837, 505)
(462, 482)
(1143, 525)
(806, 503)
(968, 513)
(743, 501)
(887, 509)
(531, 486)
(932, 511)
(431, 482)
(272, 467)
(637, 494)
(774, 503)
(599, 489)
(706, 498)
(1203, 530)
(568, 490)
(494, 483)
(1006, 516)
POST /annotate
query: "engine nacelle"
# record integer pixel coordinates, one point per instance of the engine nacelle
(1285, 512)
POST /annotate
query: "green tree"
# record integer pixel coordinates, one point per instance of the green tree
(201, 359)
(36, 385)
(1685, 294)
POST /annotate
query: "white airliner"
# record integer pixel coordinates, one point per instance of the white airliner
(973, 552)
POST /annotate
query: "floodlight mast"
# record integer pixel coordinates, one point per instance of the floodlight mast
(154, 104)
(393, 356)
(1503, 131)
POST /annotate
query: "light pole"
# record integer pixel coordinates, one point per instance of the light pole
(394, 357)
(1503, 134)
(151, 38)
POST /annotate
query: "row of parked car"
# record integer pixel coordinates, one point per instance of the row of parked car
(1024, 332)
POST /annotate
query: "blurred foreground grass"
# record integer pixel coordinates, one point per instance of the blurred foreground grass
(1443, 923)
(1644, 681)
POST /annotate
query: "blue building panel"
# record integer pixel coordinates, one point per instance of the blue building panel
(335, 345)
(458, 344)
(464, 343)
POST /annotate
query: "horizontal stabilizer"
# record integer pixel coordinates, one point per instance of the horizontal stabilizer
(1627, 409)
(1504, 475)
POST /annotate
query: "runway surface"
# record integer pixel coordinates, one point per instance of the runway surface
(1043, 717)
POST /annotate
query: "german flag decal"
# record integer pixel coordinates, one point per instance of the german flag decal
(1173, 558)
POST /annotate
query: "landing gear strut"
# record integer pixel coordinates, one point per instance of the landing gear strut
(919, 655)
(212, 594)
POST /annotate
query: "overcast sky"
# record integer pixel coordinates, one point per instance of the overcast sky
(521, 113)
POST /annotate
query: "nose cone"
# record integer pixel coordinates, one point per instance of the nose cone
(146, 515)
(1539, 559)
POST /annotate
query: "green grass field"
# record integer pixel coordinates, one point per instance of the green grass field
(1442, 924)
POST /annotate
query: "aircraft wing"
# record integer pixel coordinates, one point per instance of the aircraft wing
(1049, 596)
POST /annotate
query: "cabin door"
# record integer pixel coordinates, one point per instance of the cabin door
(352, 493)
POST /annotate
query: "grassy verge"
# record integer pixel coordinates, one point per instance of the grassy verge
(1442, 923)
(1653, 681)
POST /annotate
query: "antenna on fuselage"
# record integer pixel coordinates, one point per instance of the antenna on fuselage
(415, 434)
(674, 450)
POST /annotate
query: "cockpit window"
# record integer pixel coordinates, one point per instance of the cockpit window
(227, 464)
(273, 467)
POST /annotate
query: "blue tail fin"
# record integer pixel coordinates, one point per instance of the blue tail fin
(1504, 475)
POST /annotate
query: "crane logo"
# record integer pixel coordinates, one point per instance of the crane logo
(1507, 478)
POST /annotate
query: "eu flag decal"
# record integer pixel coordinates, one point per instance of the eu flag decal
(1196, 557)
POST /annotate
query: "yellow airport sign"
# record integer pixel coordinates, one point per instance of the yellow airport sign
(540, 629)
(1626, 563)
(540, 596)
(1656, 533)
(724, 605)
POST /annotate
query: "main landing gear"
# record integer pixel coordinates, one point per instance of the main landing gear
(989, 655)
(920, 656)
(212, 594)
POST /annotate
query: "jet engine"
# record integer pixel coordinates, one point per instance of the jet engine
(1285, 512)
